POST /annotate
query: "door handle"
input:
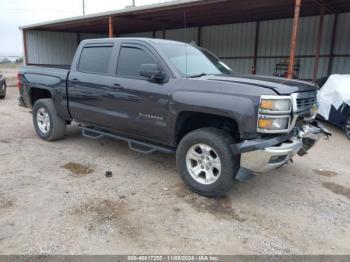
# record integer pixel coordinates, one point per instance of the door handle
(117, 87)
(75, 80)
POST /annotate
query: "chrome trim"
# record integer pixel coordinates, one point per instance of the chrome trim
(259, 161)
(296, 96)
(273, 97)
(273, 131)
(294, 113)
(311, 132)
(297, 112)
(274, 114)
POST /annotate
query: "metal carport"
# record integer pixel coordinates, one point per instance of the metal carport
(262, 24)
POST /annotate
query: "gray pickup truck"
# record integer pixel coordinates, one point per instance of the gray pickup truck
(174, 97)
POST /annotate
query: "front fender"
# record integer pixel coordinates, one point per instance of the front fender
(242, 109)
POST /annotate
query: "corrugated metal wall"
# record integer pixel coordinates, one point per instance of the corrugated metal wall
(143, 34)
(56, 48)
(274, 40)
(179, 35)
(233, 40)
(234, 43)
(341, 65)
(83, 36)
(342, 39)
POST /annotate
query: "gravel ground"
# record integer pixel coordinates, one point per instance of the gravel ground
(56, 199)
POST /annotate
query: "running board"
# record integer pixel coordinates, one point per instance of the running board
(134, 145)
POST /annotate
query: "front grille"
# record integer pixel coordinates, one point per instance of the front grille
(305, 101)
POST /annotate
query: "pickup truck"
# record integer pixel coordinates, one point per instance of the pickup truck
(175, 97)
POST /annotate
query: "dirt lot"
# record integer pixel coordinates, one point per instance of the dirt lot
(55, 198)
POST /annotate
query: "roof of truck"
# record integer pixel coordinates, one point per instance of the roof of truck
(144, 39)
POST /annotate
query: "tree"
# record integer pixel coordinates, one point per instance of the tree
(5, 61)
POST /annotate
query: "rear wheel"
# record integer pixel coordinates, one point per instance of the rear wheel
(347, 127)
(3, 91)
(206, 163)
(48, 125)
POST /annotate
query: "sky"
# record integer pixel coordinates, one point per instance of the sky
(15, 13)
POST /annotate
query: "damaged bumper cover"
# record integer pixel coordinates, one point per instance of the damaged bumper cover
(263, 155)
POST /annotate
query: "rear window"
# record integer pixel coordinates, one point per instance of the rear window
(95, 59)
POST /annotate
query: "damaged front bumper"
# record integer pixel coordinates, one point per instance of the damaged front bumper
(263, 155)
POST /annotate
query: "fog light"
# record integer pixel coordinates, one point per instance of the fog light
(277, 159)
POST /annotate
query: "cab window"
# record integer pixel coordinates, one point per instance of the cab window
(130, 60)
(95, 59)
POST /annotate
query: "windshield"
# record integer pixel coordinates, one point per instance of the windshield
(225, 69)
(198, 62)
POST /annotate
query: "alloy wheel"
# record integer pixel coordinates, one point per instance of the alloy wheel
(203, 163)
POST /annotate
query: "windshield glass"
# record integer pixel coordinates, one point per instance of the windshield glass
(225, 69)
(198, 63)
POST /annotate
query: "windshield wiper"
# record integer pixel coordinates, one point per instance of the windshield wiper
(198, 75)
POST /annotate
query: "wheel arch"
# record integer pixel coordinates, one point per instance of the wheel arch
(37, 93)
(188, 121)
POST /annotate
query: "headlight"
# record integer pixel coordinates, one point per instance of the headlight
(277, 105)
(274, 114)
(273, 123)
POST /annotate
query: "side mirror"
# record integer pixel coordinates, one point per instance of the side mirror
(152, 72)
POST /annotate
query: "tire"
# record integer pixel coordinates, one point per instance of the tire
(56, 127)
(347, 127)
(3, 88)
(209, 182)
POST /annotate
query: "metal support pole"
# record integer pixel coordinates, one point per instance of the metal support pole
(334, 33)
(318, 44)
(293, 41)
(163, 32)
(25, 49)
(199, 36)
(110, 27)
(256, 46)
(83, 7)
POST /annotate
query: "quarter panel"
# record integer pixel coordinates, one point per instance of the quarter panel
(51, 79)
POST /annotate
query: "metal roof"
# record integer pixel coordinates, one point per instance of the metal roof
(125, 11)
(197, 12)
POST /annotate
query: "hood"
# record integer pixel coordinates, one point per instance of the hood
(280, 85)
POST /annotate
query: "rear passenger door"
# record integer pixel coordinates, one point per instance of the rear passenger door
(89, 85)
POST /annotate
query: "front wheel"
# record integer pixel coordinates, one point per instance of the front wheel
(206, 163)
(48, 125)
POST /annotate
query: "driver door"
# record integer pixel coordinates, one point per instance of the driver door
(144, 103)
